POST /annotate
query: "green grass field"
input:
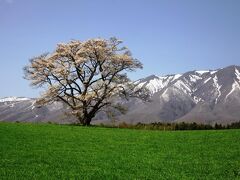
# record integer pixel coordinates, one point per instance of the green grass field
(43, 151)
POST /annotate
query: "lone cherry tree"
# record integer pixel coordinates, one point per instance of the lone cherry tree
(86, 76)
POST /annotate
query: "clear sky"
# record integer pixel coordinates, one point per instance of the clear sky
(167, 36)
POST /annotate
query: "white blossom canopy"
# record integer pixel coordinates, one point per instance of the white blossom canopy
(85, 75)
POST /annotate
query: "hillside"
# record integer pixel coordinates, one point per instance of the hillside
(196, 96)
(209, 97)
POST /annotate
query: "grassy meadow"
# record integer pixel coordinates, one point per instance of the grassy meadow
(45, 151)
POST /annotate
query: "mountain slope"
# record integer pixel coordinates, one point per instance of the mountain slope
(25, 109)
(200, 96)
(211, 96)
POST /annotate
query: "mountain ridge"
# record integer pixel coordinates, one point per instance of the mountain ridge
(206, 96)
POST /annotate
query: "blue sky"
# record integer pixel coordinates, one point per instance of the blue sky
(167, 36)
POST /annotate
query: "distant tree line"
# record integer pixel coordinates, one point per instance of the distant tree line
(175, 126)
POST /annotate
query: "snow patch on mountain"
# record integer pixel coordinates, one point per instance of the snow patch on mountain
(155, 85)
(12, 99)
(235, 85)
(207, 80)
(182, 86)
(197, 99)
(201, 72)
(237, 73)
(213, 72)
(165, 95)
(176, 76)
(194, 78)
(218, 87)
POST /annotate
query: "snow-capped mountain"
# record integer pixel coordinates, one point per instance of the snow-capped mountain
(156, 83)
(201, 96)
(201, 86)
(25, 109)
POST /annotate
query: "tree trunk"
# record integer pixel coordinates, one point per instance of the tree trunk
(86, 119)
(87, 123)
(89, 119)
